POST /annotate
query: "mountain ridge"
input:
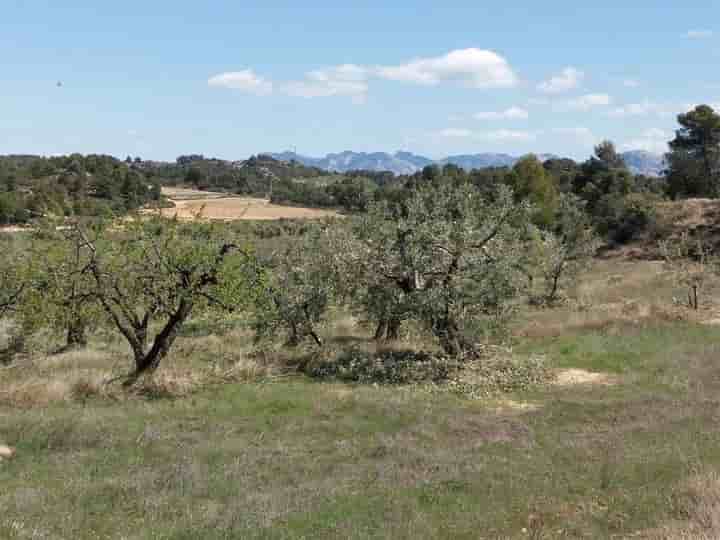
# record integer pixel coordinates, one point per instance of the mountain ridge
(404, 162)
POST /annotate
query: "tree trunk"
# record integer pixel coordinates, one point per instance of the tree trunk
(381, 330)
(148, 362)
(388, 329)
(393, 330)
(294, 339)
(453, 343)
(76, 337)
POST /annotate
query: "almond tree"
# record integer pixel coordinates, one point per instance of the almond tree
(149, 276)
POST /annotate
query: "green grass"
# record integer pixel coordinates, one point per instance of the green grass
(290, 458)
(297, 459)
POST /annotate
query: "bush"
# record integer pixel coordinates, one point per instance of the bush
(623, 219)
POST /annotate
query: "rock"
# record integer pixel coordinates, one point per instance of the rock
(6, 452)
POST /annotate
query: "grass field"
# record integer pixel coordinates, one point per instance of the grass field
(624, 444)
(190, 204)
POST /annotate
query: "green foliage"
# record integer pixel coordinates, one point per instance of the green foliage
(76, 185)
(12, 282)
(154, 273)
(694, 159)
(301, 287)
(58, 289)
(446, 256)
(530, 181)
(558, 257)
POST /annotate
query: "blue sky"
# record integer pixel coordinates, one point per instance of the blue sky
(225, 78)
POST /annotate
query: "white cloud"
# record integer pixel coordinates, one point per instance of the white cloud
(699, 34)
(631, 83)
(455, 133)
(587, 102)
(245, 80)
(644, 108)
(569, 79)
(513, 113)
(476, 68)
(508, 135)
(496, 135)
(344, 80)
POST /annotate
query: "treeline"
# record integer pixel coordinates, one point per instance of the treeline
(619, 202)
(93, 185)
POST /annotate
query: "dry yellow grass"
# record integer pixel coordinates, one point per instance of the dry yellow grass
(190, 204)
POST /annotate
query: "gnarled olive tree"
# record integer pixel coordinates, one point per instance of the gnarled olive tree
(448, 254)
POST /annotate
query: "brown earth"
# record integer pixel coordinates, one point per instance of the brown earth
(192, 204)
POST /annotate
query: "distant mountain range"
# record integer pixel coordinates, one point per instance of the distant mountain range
(643, 162)
(638, 161)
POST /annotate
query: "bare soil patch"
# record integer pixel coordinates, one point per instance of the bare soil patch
(191, 204)
(570, 377)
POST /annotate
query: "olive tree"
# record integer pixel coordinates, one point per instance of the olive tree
(13, 289)
(59, 291)
(301, 286)
(11, 286)
(150, 275)
(558, 256)
(448, 254)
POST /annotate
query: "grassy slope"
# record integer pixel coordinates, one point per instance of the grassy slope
(297, 459)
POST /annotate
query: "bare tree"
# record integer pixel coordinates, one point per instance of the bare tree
(691, 263)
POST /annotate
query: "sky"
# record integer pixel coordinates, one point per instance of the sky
(161, 78)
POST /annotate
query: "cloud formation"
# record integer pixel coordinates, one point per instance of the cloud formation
(569, 79)
(473, 68)
(699, 34)
(344, 80)
(245, 81)
(588, 101)
(476, 68)
(643, 108)
(513, 113)
(496, 135)
(509, 134)
(455, 133)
